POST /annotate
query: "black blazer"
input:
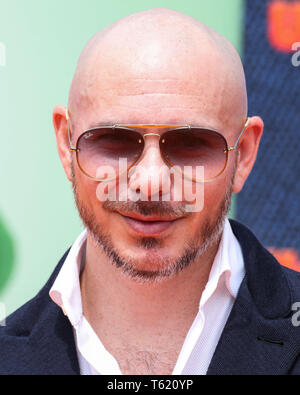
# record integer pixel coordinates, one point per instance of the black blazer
(258, 338)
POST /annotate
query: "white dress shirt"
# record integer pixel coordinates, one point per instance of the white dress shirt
(216, 302)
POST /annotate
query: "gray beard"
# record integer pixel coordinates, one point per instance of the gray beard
(164, 268)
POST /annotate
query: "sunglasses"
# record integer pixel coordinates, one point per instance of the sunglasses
(182, 147)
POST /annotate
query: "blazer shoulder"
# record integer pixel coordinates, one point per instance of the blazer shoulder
(27, 328)
(273, 287)
(30, 312)
(245, 236)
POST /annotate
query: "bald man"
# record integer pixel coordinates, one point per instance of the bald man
(155, 139)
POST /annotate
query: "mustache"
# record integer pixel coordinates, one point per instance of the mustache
(147, 208)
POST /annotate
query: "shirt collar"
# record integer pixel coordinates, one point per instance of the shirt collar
(228, 267)
(66, 292)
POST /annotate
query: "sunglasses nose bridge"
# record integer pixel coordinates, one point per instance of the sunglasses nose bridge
(151, 146)
(152, 134)
(149, 174)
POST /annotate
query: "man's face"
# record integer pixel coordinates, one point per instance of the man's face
(158, 69)
(142, 248)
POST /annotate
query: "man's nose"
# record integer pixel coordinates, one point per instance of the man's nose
(150, 176)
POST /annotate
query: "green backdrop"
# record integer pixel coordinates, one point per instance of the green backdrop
(42, 40)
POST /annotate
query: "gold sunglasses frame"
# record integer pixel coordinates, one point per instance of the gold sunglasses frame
(132, 127)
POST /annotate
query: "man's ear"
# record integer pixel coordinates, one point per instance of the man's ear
(62, 139)
(247, 152)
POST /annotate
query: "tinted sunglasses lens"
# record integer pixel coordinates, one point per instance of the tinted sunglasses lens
(101, 149)
(195, 147)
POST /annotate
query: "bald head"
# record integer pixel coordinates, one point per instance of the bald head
(156, 58)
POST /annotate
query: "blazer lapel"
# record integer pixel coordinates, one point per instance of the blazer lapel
(259, 337)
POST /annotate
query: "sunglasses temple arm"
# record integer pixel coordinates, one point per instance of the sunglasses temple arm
(72, 148)
(242, 132)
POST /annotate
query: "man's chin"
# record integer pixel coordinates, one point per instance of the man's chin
(149, 269)
(149, 260)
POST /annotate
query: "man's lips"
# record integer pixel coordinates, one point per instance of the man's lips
(148, 226)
